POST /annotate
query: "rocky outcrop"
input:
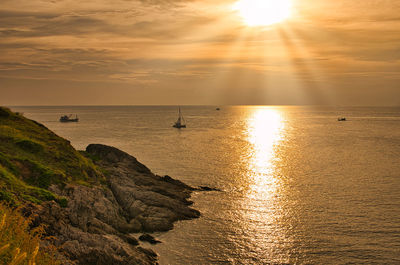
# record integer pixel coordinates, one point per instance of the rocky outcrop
(205, 188)
(96, 226)
(149, 238)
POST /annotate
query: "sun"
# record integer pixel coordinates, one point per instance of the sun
(263, 12)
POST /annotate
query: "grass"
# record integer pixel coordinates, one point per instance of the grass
(32, 158)
(20, 245)
(15, 190)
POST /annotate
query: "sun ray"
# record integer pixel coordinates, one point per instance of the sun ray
(308, 71)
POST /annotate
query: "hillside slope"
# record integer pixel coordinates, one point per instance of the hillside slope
(32, 158)
(91, 202)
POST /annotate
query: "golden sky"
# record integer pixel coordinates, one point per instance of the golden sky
(96, 52)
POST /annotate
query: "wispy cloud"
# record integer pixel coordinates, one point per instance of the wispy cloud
(166, 44)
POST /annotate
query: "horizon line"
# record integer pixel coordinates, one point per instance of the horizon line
(199, 105)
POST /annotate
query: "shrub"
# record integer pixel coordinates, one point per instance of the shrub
(29, 146)
(63, 202)
(7, 197)
(20, 245)
(4, 113)
(39, 175)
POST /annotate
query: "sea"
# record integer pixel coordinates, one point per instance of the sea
(297, 185)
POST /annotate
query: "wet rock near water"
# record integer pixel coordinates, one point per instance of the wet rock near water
(149, 238)
(205, 188)
(96, 225)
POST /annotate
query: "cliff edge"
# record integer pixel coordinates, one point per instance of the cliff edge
(90, 201)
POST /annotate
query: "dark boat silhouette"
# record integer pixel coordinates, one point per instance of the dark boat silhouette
(341, 119)
(180, 123)
(69, 118)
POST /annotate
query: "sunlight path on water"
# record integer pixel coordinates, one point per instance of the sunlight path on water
(264, 132)
(261, 205)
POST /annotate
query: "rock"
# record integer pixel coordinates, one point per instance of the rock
(102, 204)
(154, 224)
(205, 188)
(135, 224)
(176, 182)
(149, 252)
(86, 248)
(155, 202)
(130, 239)
(149, 238)
(96, 225)
(113, 155)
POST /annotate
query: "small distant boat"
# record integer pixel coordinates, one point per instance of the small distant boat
(341, 119)
(69, 118)
(217, 109)
(180, 123)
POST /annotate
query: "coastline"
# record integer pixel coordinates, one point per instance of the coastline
(111, 197)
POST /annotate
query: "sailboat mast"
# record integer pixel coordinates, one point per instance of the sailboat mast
(180, 123)
(181, 116)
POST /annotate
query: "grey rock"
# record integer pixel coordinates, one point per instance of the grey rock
(95, 227)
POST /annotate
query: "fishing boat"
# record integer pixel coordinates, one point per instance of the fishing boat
(69, 118)
(341, 119)
(180, 123)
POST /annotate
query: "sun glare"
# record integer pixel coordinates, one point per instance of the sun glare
(263, 12)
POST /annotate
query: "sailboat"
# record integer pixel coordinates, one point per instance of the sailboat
(180, 123)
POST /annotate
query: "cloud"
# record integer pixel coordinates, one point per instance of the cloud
(161, 44)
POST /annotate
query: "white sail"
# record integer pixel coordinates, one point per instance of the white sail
(180, 123)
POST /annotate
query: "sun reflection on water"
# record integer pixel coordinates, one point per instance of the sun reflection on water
(264, 132)
(262, 206)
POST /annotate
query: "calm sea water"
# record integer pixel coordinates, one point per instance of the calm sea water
(299, 187)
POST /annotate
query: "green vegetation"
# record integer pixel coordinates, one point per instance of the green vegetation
(19, 244)
(32, 158)
(13, 190)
